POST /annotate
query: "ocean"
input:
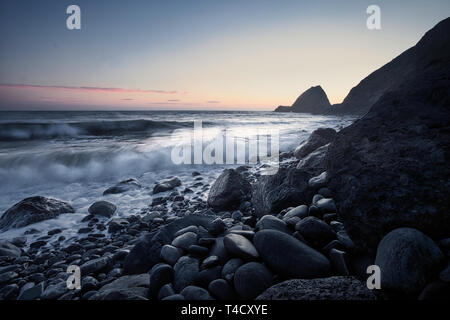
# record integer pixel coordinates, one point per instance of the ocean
(75, 156)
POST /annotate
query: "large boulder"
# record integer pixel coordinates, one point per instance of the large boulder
(32, 210)
(273, 193)
(408, 260)
(102, 208)
(147, 251)
(289, 257)
(333, 288)
(7, 249)
(318, 138)
(228, 191)
(314, 163)
(390, 168)
(251, 279)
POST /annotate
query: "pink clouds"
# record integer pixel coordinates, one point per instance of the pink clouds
(91, 89)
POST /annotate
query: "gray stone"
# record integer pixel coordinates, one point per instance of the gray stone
(167, 185)
(271, 223)
(195, 293)
(186, 272)
(221, 290)
(300, 212)
(185, 240)
(333, 288)
(408, 260)
(290, 257)
(123, 186)
(171, 254)
(102, 208)
(315, 231)
(228, 191)
(240, 247)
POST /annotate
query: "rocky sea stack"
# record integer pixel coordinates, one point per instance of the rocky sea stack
(314, 101)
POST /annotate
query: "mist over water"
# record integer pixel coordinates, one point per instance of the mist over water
(75, 156)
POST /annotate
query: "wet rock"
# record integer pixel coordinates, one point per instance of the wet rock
(185, 240)
(170, 254)
(240, 247)
(216, 227)
(55, 291)
(290, 257)
(228, 191)
(7, 249)
(206, 276)
(32, 210)
(271, 223)
(220, 289)
(300, 212)
(167, 185)
(133, 287)
(229, 269)
(97, 265)
(102, 208)
(123, 186)
(32, 292)
(195, 293)
(273, 193)
(160, 275)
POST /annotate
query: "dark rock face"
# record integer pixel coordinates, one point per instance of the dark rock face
(290, 257)
(318, 138)
(431, 49)
(123, 186)
(133, 287)
(313, 100)
(32, 210)
(408, 260)
(228, 191)
(390, 168)
(273, 193)
(333, 288)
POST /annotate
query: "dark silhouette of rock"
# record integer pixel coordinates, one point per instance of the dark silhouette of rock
(431, 49)
(102, 208)
(333, 288)
(390, 168)
(314, 100)
(32, 210)
(252, 279)
(167, 185)
(228, 191)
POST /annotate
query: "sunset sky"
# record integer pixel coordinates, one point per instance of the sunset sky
(197, 54)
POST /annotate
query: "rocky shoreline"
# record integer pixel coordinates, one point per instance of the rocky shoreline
(254, 238)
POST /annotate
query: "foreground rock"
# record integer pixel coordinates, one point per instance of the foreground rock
(390, 169)
(102, 208)
(32, 210)
(7, 249)
(408, 260)
(273, 193)
(289, 257)
(333, 288)
(228, 191)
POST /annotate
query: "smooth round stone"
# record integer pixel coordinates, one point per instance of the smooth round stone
(187, 229)
(174, 297)
(229, 269)
(315, 231)
(325, 192)
(165, 291)
(326, 205)
(198, 251)
(221, 290)
(209, 262)
(185, 240)
(186, 272)
(237, 215)
(249, 234)
(217, 226)
(251, 279)
(316, 198)
(102, 208)
(195, 293)
(240, 246)
(300, 212)
(290, 257)
(271, 222)
(408, 260)
(160, 275)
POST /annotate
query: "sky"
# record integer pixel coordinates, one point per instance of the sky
(197, 54)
